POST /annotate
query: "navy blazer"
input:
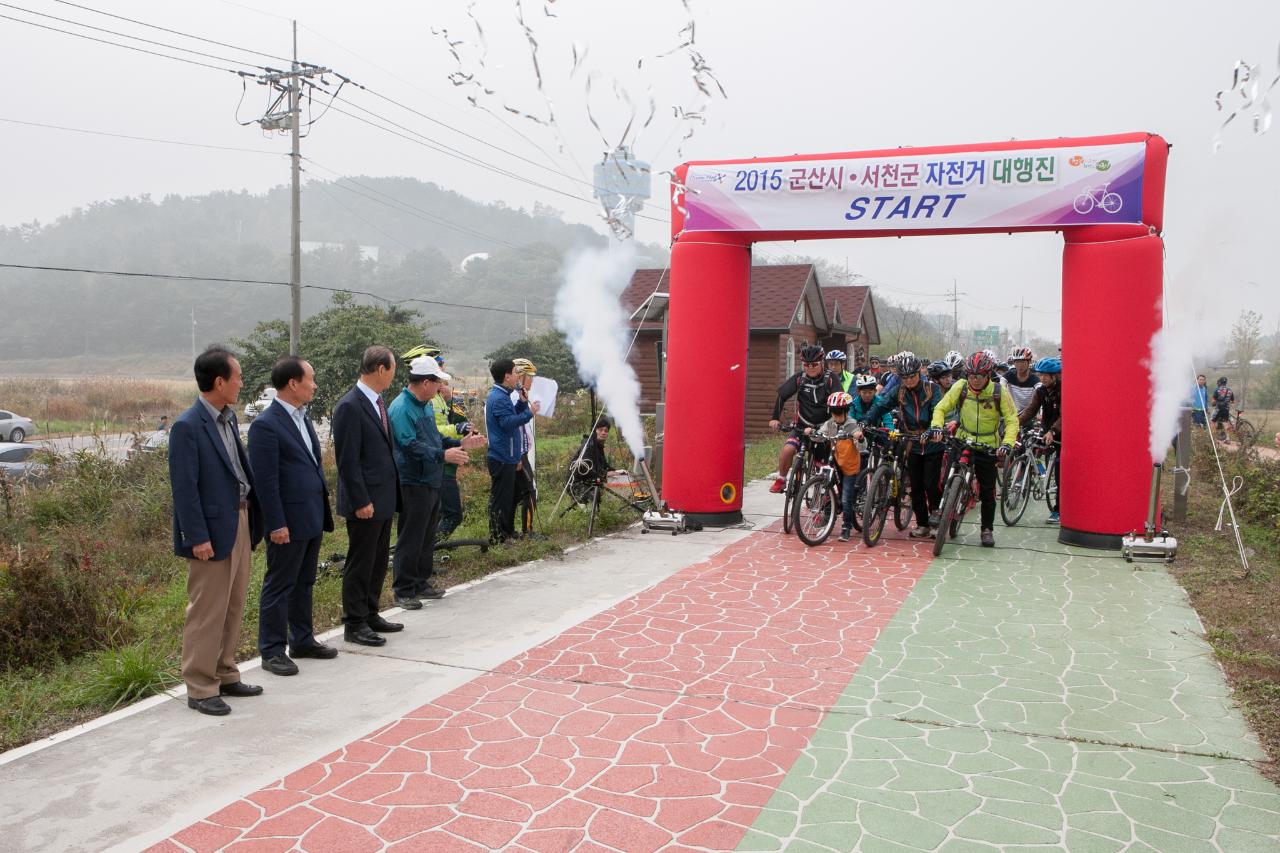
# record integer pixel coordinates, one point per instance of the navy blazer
(206, 493)
(287, 476)
(366, 467)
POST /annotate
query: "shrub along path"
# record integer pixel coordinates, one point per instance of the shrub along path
(769, 697)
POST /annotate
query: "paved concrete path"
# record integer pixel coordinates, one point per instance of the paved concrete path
(744, 693)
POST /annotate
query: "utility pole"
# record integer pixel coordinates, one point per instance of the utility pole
(289, 86)
(193, 335)
(955, 312)
(1022, 313)
(295, 223)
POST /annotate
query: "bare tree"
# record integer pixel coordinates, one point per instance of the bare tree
(1246, 343)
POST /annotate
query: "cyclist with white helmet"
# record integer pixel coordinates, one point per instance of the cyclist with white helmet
(983, 408)
(915, 400)
(865, 400)
(1047, 403)
(837, 360)
(1021, 380)
(811, 387)
(844, 433)
(955, 361)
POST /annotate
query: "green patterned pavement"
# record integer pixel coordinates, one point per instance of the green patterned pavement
(1031, 697)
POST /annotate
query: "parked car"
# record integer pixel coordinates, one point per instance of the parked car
(252, 410)
(153, 442)
(18, 464)
(15, 427)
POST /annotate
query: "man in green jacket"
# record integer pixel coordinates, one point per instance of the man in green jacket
(420, 454)
(984, 408)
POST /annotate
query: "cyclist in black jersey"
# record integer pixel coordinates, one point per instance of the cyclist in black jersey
(811, 387)
(1047, 402)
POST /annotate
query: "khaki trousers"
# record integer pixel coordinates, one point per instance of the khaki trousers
(215, 606)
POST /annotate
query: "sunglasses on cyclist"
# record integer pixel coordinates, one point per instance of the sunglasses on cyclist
(812, 364)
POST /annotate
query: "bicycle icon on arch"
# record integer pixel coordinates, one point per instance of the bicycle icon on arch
(1099, 196)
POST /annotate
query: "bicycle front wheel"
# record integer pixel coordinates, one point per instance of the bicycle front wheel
(814, 511)
(1015, 492)
(902, 506)
(1246, 435)
(947, 517)
(790, 489)
(1051, 484)
(875, 506)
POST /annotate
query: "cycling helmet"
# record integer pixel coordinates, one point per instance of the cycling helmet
(1222, 380)
(938, 368)
(908, 364)
(1048, 365)
(865, 381)
(840, 400)
(419, 351)
(980, 363)
(810, 353)
(525, 367)
(837, 355)
(953, 359)
(1020, 354)
(1002, 367)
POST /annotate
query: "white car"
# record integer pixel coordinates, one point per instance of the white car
(252, 410)
(14, 427)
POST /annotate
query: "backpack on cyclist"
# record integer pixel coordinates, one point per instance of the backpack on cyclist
(995, 399)
(848, 459)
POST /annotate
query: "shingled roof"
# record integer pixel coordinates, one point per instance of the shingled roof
(775, 293)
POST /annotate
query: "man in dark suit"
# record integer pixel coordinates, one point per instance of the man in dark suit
(368, 496)
(285, 454)
(216, 525)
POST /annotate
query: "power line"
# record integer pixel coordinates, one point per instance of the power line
(417, 138)
(320, 186)
(174, 32)
(125, 35)
(125, 46)
(137, 138)
(224, 280)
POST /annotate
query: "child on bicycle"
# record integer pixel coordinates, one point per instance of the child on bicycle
(982, 404)
(845, 435)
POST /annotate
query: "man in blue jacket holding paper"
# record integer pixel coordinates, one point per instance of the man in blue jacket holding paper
(503, 420)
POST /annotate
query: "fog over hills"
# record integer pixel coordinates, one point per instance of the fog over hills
(398, 238)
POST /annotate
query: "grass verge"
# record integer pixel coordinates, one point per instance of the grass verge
(1241, 613)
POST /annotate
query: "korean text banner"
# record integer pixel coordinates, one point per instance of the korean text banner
(1079, 185)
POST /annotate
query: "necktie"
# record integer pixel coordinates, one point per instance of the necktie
(382, 413)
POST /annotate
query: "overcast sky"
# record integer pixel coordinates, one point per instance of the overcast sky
(801, 76)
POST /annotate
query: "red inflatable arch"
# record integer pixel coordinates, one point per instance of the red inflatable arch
(1105, 194)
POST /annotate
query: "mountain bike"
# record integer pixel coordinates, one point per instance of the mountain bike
(801, 467)
(1031, 475)
(961, 490)
(1239, 430)
(887, 486)
(817, 504)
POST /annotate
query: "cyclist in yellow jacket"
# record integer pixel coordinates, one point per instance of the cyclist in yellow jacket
(987, 416)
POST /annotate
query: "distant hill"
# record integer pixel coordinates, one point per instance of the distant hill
(422, 233)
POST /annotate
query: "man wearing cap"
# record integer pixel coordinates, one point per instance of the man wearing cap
(420, 454)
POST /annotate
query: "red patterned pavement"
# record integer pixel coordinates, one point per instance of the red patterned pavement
(665, 722)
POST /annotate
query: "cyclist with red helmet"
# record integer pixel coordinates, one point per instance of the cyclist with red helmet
(983, 404)
(811, 387)
(844, 433)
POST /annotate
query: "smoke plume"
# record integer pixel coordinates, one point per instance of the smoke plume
(1171, 380)
(590, 315)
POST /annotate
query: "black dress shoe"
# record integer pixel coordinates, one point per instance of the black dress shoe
(240, 689)
(408, 603)
(213, 706)
(280, 665)
(432, 593)
(362, 636)
(382, 626)
(316, 650)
